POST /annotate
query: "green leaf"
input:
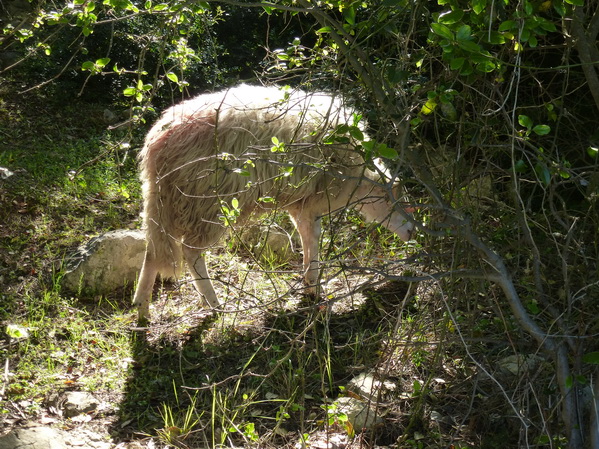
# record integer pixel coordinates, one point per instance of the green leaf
(533, 307)
(543, 173)
(559, 7)
(532, 41)
(520, 166)
(448, 95)
(456, 63)
(429, 107)
(278, 146)
(417, 387)
(548, 26)
(349, 14)
(486, 66)
(563, 174)
(495, 37)
(386, 152)
(452, 17)
(173, 77)
(464, 33)
(591, 357)
(160, 7)
(102, 62)
(542, 130)
(528, 8)
(449, 111)
(469, 46)
(130, 91)
(88, 65)
(569, 381)
(323, 30)
(479, 6)
(442, 30)
(575, 2)
(356, 133)
(508, 25)
(466, 69)
(593, 151)
(525, 121)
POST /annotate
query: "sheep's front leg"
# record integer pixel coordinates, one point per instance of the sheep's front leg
(309, 230)
(196, 261)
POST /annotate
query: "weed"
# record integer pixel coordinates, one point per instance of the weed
(178, 426)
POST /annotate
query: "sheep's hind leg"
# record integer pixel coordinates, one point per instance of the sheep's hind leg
(196, 261)
(145, 284)
(308, 228)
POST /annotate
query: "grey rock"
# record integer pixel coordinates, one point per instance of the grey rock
(110, 261)
(49, 438)
(34, 438)
(366, 386)
(519, 364)
(78, 402)
(110, 117)
(275, 242)
(361, 414)
(267, 242)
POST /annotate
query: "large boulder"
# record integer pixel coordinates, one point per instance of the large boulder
(106, 263)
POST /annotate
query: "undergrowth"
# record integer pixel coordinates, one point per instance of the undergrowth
(269, 369)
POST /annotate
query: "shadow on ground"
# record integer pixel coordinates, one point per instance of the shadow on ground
(205, 380)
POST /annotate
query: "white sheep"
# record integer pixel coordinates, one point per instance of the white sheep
(220, 157)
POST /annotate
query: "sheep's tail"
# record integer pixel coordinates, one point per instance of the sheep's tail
(163, 246)
(166, 252)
